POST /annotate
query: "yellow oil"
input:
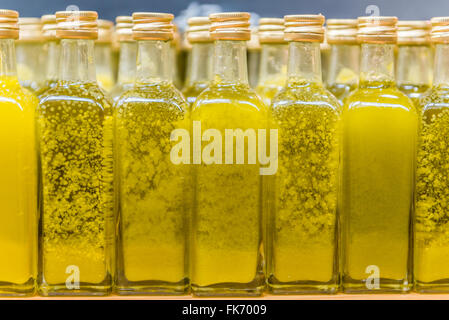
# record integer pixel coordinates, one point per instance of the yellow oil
(379, 146)
(226, 234)
(153, 197)
(193, 91)
(75, 124)
(302, 226)
(47, 85)
(18, 189)
(414, 92)
(269, 88)
(431, 255)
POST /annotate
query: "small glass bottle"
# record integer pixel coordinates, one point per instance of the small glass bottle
(31, 57)
(253, 58)
(431, 243)
(173, 56)
(379, 146)
(52, 49)
(226, 254)
(273, 60)
(18, 185)
(201, 60)
(75, 128)
(153, 198)
(302, 226)
(414, 59)
(128, 57)
(325, 57)
(344, 57)
(103, 55)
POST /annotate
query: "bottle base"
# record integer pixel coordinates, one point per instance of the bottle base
(439, 286)
(27, 289)
(385, 286)
(229, 290)
(127, 288)
(277, 287)
(84, 289)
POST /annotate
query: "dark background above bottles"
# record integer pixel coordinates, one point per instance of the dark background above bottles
(109, 9)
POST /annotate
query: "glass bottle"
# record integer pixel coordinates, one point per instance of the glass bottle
(253, 53)
(379, 146)
(30, 54)
(325, 50)
(414, 59)
(173, 56)
(128, 57)
(273, 60)
(153, 198)
(75, 127)
(18, 185)
(201, 60)
(344, 57)
(103, 55)
(226, 254)
(302, 232)
(52, 49)
(431, 245)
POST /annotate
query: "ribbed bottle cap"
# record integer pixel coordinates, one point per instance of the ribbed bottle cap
(271, 30)
(230, 26)
(413, 32)
(49, 26)
(152, 26)
(440, 30)
(77, 25)
(30, 29)
(304, 27)
(9, 24)
(374, 29)
(124, 28)
(198, 29)
(342, 31)
(105, 31)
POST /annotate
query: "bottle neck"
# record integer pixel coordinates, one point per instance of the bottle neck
(7, 58)
(153, 63)
(127, 62)
(441, 72)
(77, 60)
(30, 61)
(201, 63)
(344, 66)
(53, 55)
(230, 64)
(304, 62)
(413, 63)
(273, 63)
(103, 58)
(377, 65)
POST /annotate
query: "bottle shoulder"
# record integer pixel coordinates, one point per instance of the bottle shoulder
(11, 91)
(436, 98)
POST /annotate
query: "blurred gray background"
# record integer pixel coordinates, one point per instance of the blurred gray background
(109, 9)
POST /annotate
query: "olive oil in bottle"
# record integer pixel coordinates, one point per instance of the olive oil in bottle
(302, 225)
(273, 61)
(75, 127)
(53, 50)
(18, 185)
(431, 245)
(344, 57)
(379, 147)
(414, 59)
(201, 58)
(153, 192)
(226, 254)
(128, 56)
(30, 54)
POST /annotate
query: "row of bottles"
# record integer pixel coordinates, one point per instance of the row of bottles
(222, 189)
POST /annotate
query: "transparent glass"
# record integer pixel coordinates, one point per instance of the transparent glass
(431, 247)
(31, 62)
(174, 67)
(343, 71)
(379, 150)
(200, 70)
(53, 50)
(154, 192)
(126, 69)
(273, 70)
(253, 66)
(226, 254)
(412, 72)
(18, 185)
(104, 65)
(75, 128)
(302, 223)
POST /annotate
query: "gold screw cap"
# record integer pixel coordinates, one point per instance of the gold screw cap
(230, 26)
(440, 30)
(77, 25)
(304, 27)
(377, 29)
(198, 29)
(343, 31)
(414, 32)
(9, 24)
(153, 26)
(124, 28)
(271, 30)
